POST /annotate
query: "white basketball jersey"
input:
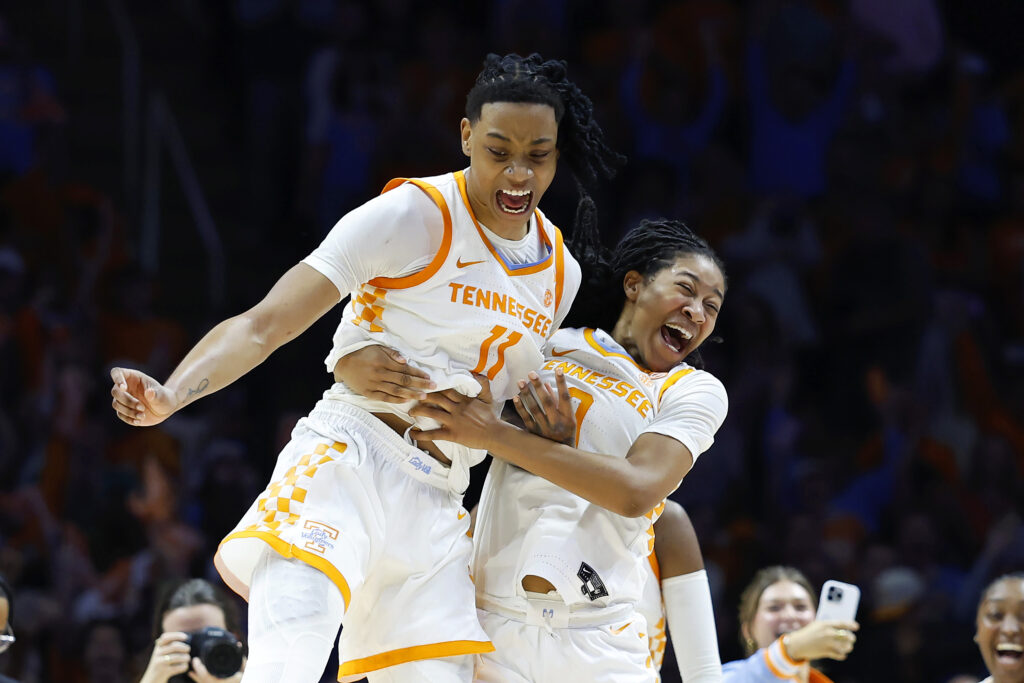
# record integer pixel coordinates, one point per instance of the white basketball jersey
(466, 312)
(653, 609)
(529, 526)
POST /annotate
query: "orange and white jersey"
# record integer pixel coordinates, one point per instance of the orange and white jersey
(464, 310)
(529, 526)
(652, 607)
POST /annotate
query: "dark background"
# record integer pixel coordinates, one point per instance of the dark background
(860, 167)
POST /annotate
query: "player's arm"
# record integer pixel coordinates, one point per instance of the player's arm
(687, 596)
(630, 486)
(228, 351)
(388, 236)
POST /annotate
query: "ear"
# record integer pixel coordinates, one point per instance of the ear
(632, 283)
(745, 633)
(466, 130)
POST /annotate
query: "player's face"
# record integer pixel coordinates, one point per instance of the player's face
(673, 312)
(193, 618)
(1000, 631)
(512, 160)
(784, 606)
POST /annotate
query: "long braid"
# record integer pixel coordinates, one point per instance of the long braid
(581, 142)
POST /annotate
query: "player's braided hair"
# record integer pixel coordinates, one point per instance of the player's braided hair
(581, 141)
(647, 248)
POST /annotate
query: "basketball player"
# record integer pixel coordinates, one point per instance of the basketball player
(566, 517)
(462, 274)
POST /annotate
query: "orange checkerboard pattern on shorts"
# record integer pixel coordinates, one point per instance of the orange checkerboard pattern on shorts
(280, 503)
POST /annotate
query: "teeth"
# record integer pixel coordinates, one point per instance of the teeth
(1009, 647)
(686, 333)
(517, 193)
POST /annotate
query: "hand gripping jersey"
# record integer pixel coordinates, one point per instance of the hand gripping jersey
(468, 311)
(526, 525)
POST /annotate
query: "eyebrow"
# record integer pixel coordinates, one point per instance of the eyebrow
(697, 279)
(499, 136)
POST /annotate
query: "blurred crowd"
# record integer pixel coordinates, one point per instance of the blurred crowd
(860, 171)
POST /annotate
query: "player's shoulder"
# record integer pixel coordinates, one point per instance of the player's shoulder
(684, 382)
(567, 338)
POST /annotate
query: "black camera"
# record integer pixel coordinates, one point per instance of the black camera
(219, 651)
(835, 594)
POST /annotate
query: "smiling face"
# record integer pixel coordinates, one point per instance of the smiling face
(668, 315)
(1000, 630)
(784, 606)
(512, 159)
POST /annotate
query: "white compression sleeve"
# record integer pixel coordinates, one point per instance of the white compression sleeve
(691, 625)
(294, 615)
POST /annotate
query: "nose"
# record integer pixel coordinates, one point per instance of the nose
(1010, 624)
(518, 171)
(694, 310)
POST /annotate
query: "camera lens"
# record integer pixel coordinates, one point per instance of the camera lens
(222, 659)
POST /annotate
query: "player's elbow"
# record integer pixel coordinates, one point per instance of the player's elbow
(638, 500)
(259, 332)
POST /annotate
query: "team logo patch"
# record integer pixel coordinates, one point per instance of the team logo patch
(593, 586)
(548, 297)
(319, 536)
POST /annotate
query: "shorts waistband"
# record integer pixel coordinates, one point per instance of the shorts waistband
(412, 460)
(550, 611)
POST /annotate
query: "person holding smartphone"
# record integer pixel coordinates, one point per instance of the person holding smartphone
(780, 634)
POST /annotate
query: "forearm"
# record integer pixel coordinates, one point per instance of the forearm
(608, 481)
(225, 353)
(691, 625)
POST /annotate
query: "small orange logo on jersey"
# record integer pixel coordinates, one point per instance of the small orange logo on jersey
(555, 352)
(462, 515)
(548, 297)
(459, 263)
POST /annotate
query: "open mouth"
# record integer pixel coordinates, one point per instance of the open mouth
(675, 337)
(1009, 654)
(514, 201)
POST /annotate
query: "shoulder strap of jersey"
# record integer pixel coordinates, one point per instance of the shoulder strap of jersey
(446, 240)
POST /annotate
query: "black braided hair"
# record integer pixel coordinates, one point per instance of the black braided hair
(647, 248)
(581, 142)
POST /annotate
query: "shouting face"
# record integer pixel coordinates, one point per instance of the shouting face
(668, 315)
(1000, 630)
(513, 156)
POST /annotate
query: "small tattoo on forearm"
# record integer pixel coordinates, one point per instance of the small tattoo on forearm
(199, 389)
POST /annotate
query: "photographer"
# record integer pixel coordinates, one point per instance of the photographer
(196, 630)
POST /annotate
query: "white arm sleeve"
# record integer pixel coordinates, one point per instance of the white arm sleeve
(691, 411)
(691, 625)
(393, 235)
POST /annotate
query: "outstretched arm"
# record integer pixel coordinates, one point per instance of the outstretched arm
(228, 351)
(630, 486)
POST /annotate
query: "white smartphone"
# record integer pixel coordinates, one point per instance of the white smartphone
(838, 601)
